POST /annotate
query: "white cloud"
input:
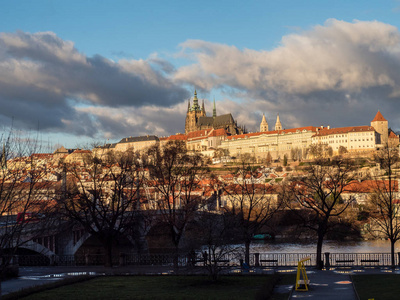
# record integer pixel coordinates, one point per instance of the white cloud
(338, 56)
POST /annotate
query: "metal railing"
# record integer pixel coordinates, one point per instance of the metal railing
(233, 259)
(361, 259)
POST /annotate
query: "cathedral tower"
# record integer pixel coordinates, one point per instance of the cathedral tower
(193, 114)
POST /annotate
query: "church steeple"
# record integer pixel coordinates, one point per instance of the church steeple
(195, 101)
(278, 125)
(264, 124)
(214, 110)
(188, 105)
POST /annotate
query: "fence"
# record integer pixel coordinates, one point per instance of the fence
(234, 259)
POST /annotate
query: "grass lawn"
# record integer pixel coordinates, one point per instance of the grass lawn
(380, 286)
(164, 287)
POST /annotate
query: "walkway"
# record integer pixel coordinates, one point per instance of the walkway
(327, 285)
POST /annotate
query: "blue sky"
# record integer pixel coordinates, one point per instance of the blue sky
(104, 70)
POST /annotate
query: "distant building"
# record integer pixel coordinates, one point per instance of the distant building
(358, 138)
(138, 143)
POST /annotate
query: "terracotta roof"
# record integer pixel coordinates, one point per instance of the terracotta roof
(177, 137)
(392, 135)
(379, 117)
(198, 133)
(326, 131)
(370, 186)
(218, 132)
(283, 131)
(82, 151)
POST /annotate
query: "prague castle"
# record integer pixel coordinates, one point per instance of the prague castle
(196, 119)
(206, 134)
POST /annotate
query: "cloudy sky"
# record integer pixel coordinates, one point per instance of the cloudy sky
(81, 71)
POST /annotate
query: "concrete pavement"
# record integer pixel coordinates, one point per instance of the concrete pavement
(327, 285)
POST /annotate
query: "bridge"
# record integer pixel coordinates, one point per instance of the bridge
(62, 242)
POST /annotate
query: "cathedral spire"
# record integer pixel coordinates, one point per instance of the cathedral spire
(202, 107)
(278, 125)
(188, 105)
(214, 110)
(195, 100)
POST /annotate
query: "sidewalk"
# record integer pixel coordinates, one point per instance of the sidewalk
(327, 285)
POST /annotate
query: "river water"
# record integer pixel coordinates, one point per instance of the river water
(376, 246)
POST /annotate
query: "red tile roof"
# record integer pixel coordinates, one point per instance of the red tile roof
(177, 137)
(326, 131)
(218, 132)
(198, 133)
(283, 131)
(378, 117)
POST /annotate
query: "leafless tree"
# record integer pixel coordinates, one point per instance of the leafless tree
(250, 203)
(176, 176)
(103, 196)
(385, 209)
(214, 237)
(319, 193)
(26, 196)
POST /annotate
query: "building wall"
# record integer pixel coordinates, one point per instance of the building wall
(277, 143)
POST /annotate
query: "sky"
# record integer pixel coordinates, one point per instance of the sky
(82, 72)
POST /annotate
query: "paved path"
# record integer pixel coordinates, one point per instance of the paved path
(327, 285)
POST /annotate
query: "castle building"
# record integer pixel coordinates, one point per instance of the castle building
(358, 138)
(196, 119)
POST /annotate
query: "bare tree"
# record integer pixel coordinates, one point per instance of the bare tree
(250, 203)
(319, 194)
(176, 176)
(342, 150)
(214, 236)
(25, 195)
(385, 210)
(103, 196)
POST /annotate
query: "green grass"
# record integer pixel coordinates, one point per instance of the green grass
(165, 287)
(379, 287)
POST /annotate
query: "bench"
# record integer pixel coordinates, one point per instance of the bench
(344, 261)
(221, 260)
(369, 260)
(274, 261)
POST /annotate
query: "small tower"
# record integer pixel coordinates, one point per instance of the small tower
(381, 126)
(278, 125)
(264, 124)
(214, 110)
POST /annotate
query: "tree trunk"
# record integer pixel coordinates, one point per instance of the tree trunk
(392, 254)
(247, 252)
(321, 233)
(108, 255)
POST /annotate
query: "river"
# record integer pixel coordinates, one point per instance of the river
(375, 246)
